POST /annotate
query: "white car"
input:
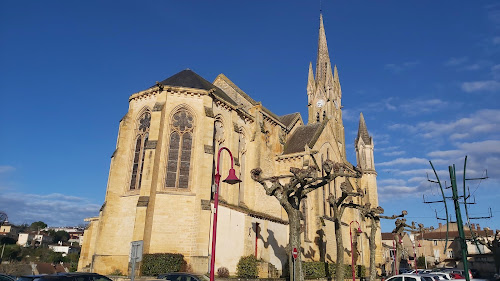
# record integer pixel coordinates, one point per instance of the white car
(445, 276)
(409, 277)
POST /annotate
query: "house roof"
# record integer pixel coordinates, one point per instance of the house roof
(387, 236)
(304, 135)
(189, 79)
(441, 235)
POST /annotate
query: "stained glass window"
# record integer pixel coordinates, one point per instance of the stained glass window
(139, 151)
(179, 150)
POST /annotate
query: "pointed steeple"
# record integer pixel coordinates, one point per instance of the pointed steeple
(310, 77)
(363, 131)
(323, 60)
(335, 73)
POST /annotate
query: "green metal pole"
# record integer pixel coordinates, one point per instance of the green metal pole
(460, 224)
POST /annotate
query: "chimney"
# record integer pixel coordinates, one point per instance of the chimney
(440, 224)
(473, 226)
(478, 227)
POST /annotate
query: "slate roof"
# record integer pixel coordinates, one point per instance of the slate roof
(289, 118)
(189, 79)
(304, 135)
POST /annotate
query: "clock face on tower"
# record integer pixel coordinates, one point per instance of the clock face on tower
(320, 103)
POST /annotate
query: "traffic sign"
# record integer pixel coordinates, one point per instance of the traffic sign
(295, 253)
(135, 253)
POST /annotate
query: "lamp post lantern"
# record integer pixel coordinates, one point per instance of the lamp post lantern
(358, 231)
(231, 179)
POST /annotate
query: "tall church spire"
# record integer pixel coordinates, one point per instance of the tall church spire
(363, 131)
(323, 60)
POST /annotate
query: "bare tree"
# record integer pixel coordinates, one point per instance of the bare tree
(374, 215)
(339, 205)
(398, 233)
(494, 247)
(289, 195)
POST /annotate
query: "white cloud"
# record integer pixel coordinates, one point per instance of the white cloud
(484, 121)
(54, 209)
(456, 61)
(456, 136)
(445, 153)
(394, 153)
(6, 169)
(396, 68)
(405, 161)
(474, 66)
(476, 86)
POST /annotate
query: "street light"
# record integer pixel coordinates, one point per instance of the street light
(231, 179)
(358, 231)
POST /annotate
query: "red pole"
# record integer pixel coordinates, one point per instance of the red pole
(229, 180)
(352, 250)
(214, 228)
(352, 255)
(256, 237)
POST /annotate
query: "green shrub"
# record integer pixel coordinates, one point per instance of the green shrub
(360, 271)
(247, 267)
(116, 272)
(313, 269)
(154, 264)
(223, 272)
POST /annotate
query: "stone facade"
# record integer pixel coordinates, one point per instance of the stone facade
(161, 174)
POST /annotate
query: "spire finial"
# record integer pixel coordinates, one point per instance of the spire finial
(323, 60)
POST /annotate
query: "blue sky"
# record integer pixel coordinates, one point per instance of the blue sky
(425, 74)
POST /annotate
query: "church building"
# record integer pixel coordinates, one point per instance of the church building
(161, 178)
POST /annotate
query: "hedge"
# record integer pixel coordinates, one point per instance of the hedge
(316, 269)
(154, 264)
(247, 267)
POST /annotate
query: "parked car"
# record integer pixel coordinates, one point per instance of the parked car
(179, 276)
(432, 277)
(5, 277)
(74, 276)
(409, 277)
(420, 271)
(29, 277)
(445, 275)
(475, 273)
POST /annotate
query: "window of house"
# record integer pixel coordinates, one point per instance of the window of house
(179, 150)
(435, 242)
(450, 254)
(139, 150)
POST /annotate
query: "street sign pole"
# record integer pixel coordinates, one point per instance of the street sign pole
(135, 255)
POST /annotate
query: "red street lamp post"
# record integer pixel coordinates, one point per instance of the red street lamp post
(358, 231)
(231, 179)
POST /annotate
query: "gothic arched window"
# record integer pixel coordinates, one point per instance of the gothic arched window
(139, 150)
(179, 150)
